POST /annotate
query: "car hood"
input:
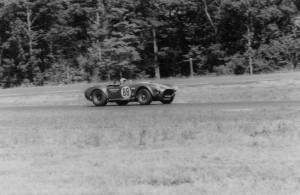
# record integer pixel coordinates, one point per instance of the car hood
(162, 86)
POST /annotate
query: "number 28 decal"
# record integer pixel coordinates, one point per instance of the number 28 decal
(126, 92)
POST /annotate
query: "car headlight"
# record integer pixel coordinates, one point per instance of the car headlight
(158, 88)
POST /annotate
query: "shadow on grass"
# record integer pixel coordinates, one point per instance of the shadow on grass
(128, 105)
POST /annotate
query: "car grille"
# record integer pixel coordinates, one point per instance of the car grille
(168, 93)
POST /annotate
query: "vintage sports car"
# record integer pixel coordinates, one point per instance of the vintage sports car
(123, 92)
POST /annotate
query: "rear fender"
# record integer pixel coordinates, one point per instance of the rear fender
(103, 89)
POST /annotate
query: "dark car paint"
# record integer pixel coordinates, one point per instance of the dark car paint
(134, 88)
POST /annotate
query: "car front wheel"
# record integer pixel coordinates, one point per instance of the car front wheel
(144, 97)
(99, 98)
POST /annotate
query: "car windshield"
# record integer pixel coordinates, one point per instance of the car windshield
(117, 82)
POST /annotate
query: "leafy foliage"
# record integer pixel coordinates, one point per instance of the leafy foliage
(55, 41)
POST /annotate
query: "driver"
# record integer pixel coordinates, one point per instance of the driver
(122, 81)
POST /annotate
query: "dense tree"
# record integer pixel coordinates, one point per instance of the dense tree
(54, 41)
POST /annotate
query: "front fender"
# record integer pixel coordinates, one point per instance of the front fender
(146, 87)
(175, 87)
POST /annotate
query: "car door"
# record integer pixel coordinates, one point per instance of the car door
(114, 91)
(119, 92)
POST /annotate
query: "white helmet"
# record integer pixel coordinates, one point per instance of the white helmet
(123, 80)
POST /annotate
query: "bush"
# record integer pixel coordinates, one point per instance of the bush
(237, 64)
(222, 70)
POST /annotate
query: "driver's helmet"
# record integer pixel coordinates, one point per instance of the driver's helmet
(122, 81)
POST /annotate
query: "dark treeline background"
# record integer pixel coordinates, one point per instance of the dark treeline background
(54, 41)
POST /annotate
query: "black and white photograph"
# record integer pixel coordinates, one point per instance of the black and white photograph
(149, 97)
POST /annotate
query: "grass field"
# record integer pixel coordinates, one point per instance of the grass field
(159, 149)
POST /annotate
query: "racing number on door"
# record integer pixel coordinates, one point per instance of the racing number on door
(126, 92)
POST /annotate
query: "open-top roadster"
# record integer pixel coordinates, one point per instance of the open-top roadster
(123, 93)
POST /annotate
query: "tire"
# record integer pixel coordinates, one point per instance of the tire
(167, 101)
(144, 97)
(122, 103)
(99, 98)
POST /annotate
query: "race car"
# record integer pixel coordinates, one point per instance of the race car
(123, 92)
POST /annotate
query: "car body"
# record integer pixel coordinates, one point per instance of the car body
(122, 94)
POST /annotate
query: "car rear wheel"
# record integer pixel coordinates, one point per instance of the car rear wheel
(122, 103)
(99, 98)
(167, 101)
(144, 97)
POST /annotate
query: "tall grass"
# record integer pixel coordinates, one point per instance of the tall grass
(155, 149)
(153, 126)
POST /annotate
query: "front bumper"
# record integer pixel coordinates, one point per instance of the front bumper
(165, 95)
(168, 94)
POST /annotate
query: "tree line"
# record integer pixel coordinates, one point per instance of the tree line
(55, 41)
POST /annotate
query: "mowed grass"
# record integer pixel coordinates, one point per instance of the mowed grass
(221, 89)
(157, 149)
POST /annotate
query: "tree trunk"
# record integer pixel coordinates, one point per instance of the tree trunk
(99, 50)
(1, 52)
(104, 27)
(98, 46)
(68, 72)
(156, 66)
(208, 16)
(249, 50)
(108, 72)
(251, 64)
(29, 31)
(191, 67)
